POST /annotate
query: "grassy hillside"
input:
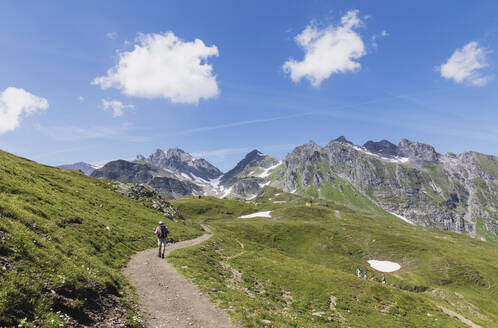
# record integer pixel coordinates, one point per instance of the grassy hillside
(63, 239)
(298, 268)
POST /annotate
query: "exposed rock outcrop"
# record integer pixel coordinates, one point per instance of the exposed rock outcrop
(182, 163)
(447, 192)
(141, 173)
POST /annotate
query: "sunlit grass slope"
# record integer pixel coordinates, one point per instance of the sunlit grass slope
(63, 239)
(298, 268)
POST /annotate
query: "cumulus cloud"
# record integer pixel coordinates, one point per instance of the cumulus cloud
(112, 35)
(14, 103)
(81, 98)
(466, 65)
(116, 106)
(333, 49)
(164, 66)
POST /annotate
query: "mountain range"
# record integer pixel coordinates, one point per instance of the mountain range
(409, 180)
(82, 166)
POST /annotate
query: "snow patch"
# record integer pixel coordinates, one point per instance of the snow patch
(252, 197)
(215, 183)
(227, 192)
(402, 218)
(265, 184)
(395, 159)
(199, 179)
(266, 172)
(98, 165)
(265, 214)
(384, 266)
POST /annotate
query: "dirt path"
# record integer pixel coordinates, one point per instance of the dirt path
(459, 317)
(166, 298)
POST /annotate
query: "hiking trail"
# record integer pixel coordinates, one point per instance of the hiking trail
(166, 298)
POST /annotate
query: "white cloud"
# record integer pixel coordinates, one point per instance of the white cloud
(330, 50)
(116, 106)
(81, 98)
(164, 66)
(16, 102)
(466, 65)
(112, 35)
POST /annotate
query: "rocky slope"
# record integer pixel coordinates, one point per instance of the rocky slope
(181, 163)
(168, 184)
(411, 180)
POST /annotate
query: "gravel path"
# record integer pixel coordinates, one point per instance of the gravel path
(166, 298)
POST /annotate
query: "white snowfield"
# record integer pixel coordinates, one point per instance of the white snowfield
(402, 218)
(395, 159)
(384, 266)
(265, 214)
(262, 185)
(266, 172)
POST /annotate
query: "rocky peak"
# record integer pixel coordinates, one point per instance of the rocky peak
(140, 158)
(182, 163)
(308, 148)
(251, 161)
(417, 151)
(82, 166)
(254, 154)
(343, 139)
(383, 148)
(307, 152)
(179, 155)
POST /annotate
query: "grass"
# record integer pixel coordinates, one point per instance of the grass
(63, 240)
(298, 269)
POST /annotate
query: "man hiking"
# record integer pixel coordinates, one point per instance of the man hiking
(161, 232)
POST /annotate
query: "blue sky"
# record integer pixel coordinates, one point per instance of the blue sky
(423, 70)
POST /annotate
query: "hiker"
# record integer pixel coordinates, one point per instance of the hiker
(358, 272)
(161, 232)
(383, 279)
(365, 275)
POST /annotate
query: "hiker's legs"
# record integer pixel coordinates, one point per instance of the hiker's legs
(161, 247)
(164, 247)
(159, 244)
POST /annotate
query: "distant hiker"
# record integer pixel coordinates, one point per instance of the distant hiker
(383, 279)
(365, 275)
(358, 272)
(161, 232)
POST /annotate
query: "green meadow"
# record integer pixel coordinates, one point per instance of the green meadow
(297, 269)
(64, 238)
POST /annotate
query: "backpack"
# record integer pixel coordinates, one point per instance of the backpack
(164, 232)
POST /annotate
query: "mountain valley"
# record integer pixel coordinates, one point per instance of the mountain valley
(409, 180)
